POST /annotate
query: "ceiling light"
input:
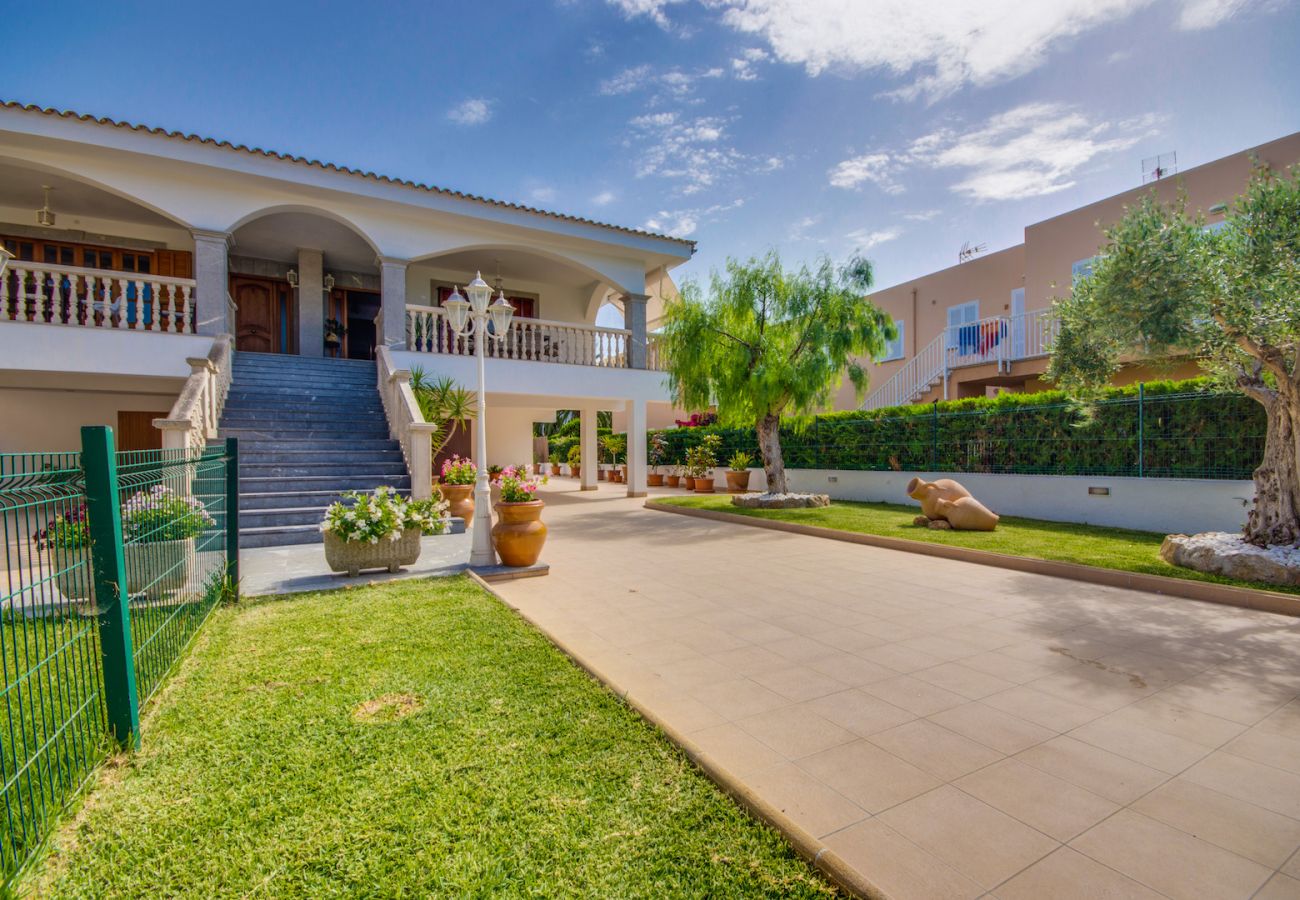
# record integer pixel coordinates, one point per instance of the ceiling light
(45, 215)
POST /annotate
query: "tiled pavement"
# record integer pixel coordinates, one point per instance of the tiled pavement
(950, 730)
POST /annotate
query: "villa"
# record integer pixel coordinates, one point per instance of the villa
(136, 249)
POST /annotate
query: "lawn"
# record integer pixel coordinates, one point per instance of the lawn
(412, 739)
(1089, 545)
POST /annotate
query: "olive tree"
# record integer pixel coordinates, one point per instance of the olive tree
(1165, 285)
(765, 343)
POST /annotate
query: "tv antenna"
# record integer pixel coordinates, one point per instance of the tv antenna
(1156, 167)
(967, 252)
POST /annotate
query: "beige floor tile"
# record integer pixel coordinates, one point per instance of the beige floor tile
(815, 807)
(735, 749)
(694, 673)
(914, 695)
(1042, 709)
(686, 714)
(799, 683)
(939, 751)
(1244, 828)
(1168, 860)
(992, 727)
(750, 660)
(1055, 807)
(795, 731)
(1095, 688)
(1100, 771)
(1006, 667)
(1162, 714)
(852, 669)
(1280, 887)
(1292, 866)
(1267, 747)
(1069, 875)
(850, 640)
(738, 698)
(1286, 721)
(901, 869)
(961, 679)
(798, 649)
(869, 776)
(1245, 779)
(901, 659)
(974, 838)
(1141, 744)
(859, 712)
(1237, 698)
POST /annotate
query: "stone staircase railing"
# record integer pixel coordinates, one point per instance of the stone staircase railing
(194, 416)
(406, 423)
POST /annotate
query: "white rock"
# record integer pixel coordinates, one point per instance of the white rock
(780, 501)
(1231, 555)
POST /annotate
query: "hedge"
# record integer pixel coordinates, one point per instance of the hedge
(1185, 431)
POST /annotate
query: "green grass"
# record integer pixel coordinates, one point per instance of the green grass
(517, 775)
(1089, 545)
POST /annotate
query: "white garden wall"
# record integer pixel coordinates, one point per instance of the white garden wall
(1149, 504)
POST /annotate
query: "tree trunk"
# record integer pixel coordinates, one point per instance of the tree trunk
(1275, 517)
(769, 444)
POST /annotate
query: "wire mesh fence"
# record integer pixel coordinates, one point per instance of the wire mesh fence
(1144, 435)
(73, 605)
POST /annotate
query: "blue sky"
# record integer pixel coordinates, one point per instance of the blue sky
(899, 129)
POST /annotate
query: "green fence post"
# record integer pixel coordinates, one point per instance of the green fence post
(109, 569)
(1141, 429)
(934, 436)
(232, 513)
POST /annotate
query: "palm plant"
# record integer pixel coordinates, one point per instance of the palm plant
(444, 404)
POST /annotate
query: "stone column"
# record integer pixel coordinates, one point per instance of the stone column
(634, 321)
(212, 282)
(311, 303)
(587, 440)
(636, 449)
(392, 302)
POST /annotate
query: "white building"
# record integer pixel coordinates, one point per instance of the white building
(136, 248)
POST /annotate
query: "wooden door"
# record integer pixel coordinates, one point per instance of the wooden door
(135, 430)
(258, 317)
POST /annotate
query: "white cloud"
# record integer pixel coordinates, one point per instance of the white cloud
(924, 215)
(543, 194)
(674, 83)
(604, 198)
(653, 9)
(689, 150)
(878, 168)
(940, 48)
(684, 222)
(862, 239)
(474, 111)
(1029, 151)
(743, 66)
(799, 230)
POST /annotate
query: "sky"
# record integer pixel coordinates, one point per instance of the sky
(898, 129)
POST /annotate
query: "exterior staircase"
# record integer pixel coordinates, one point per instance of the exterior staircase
(308, 429)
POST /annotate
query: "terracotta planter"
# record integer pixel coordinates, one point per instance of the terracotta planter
(688, 482)
(602, 474)
(703, 485)
(673, 480)
(555, 469)
(614, 476)
(576, 469)
(494, 477)
(353, 556)
(737, 482)
(460, 499)
(519, 532)
(156, 569)
(654, 479)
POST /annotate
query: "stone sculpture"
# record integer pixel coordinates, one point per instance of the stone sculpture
(946, 504)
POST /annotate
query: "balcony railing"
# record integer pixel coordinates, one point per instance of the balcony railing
(96, 298)
(530, 340)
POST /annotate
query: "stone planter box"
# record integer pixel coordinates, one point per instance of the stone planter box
(154, 570)
(354, 556)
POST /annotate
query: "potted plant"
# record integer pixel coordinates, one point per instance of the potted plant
(701, 459)
(658, 451)
(674, 476)
(494, 473)
(334, 334)
(616, 447)
(158, 530)
(519, 532)
(738, 472)
(457, 487)
(575, 460)
(379, 530)
(555, 468)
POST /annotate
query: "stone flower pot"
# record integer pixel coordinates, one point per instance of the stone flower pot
(654, 479)
(519, 532)
(154, 569)
(460, 500)
(703, 485)
(737, 482)
(673, 480)
(353, 556)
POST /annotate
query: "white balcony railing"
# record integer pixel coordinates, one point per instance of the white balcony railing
(96, 298)
(998, 339)
(532, 340)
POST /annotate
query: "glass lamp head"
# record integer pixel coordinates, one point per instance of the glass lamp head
(479, 293)
(457, 311)
(292, 277)
(501, 313)
(5, 256)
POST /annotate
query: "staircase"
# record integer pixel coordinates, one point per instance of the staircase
(921, 374)
(308, 429)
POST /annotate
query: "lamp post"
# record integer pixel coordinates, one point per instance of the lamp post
(473, 317)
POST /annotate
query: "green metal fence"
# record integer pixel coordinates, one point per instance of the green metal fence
(1146, 435)
(113, 561)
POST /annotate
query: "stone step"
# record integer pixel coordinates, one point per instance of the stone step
(279, 536)
(267, 410)
(274, 500)
(242, 391)
(293, 416)
(276, 455)
(302, 431)
(242, 357)
(359, 481)
(339, 445)
(259, 469)
(280, 516)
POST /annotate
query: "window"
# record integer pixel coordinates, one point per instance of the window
(1082, 268)
(1212, 227)
(962, 314)
(894, 349)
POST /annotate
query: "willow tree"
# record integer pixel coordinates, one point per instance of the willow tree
(1166, 285)
(766, 342)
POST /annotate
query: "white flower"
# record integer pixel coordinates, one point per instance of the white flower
(374, 540)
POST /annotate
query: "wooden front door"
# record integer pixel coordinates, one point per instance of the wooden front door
(263, 317)
(135, 430)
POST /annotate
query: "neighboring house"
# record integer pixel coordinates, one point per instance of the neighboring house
(986, 326)
(135, 248)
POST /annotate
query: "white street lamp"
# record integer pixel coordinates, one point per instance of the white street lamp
(475, 317)
(5, 256)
